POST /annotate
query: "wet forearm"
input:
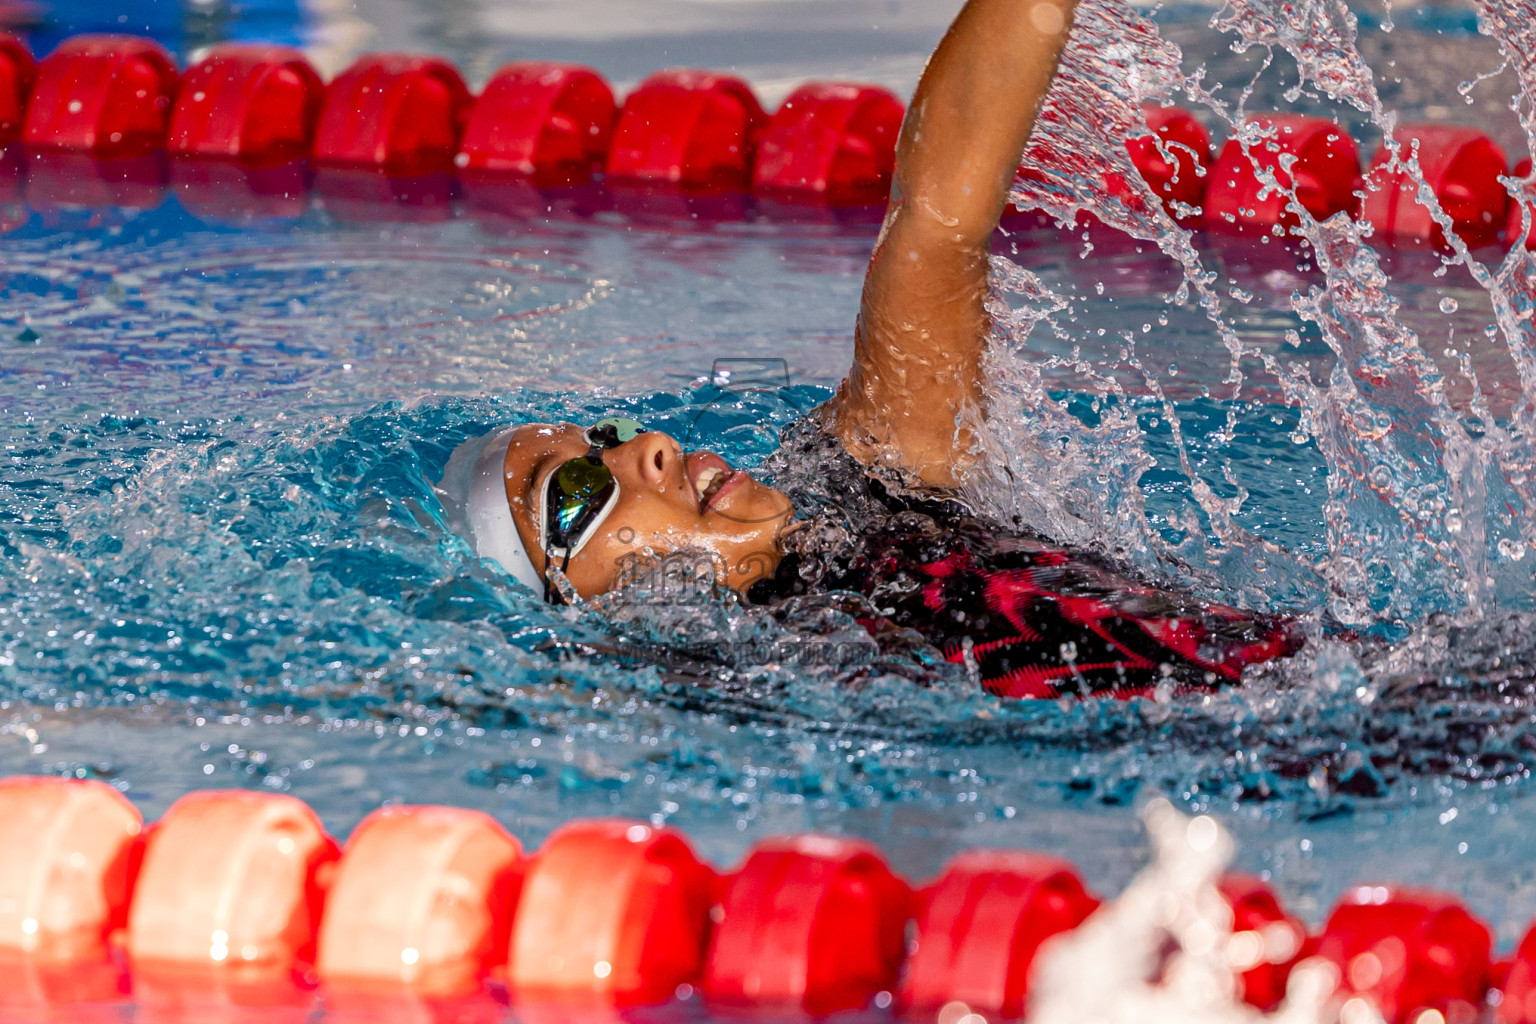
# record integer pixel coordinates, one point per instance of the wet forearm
(973, 111)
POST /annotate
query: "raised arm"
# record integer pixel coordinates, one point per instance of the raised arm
(923, 325)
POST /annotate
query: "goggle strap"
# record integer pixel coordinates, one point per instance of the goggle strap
(556, 583)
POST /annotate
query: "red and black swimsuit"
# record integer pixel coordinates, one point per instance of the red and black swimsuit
(1037, 621)
(1028, 618)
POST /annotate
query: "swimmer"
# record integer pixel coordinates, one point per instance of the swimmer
(567, 508)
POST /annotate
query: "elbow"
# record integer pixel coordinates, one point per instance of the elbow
(922, 230)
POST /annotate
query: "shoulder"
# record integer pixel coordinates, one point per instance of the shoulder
(816, 470)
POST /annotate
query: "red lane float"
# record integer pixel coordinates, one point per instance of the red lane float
(1265, 939)
(423, 896)
(693, 128)
(17, 73)
(982, 922)
(1461, 166)
(1408, 951)
(1324, 175)
(256, 104)
(809, 922)
(395, 111)
(69, 851)
(549, 122)
(1175, 159)
(1516, 224)
(221, 920)
(234, 878)
(1517, 989)
(107, 95)
(611, 909)
(831, 140)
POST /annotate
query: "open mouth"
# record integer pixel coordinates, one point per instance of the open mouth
(711, 476)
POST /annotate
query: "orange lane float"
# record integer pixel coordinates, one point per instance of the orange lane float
(107, 95)
(831, 140)
(810, 923)
(233, 878)
(1461, 166)
(255, 104)
(981, 924)
(697, 129)
(551, 123)
(1313, 156)
(69, 853)
(422, 897)
(610, 910)
(433, 913)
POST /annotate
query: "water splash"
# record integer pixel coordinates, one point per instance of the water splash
(1165, 948)
(1430, 507)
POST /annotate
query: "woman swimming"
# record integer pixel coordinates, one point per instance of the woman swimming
(567, 509)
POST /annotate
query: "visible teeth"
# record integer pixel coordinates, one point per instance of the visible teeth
(709, 482)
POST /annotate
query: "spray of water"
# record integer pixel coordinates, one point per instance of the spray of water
(1165, 949)
(1430, 507)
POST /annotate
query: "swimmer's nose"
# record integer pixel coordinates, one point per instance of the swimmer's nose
(657, 458)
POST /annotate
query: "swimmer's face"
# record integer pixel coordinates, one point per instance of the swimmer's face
(669, 501)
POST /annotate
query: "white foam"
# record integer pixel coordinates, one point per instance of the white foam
(1164, 950)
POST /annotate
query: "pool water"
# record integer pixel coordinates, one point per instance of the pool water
(224, 563)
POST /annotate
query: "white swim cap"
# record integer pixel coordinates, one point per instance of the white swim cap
(476, 472)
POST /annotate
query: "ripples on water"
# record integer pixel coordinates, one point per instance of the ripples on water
(224, 562)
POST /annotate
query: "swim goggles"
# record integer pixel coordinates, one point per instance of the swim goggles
(580, 494)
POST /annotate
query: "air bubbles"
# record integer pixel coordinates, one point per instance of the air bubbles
(1449, 305)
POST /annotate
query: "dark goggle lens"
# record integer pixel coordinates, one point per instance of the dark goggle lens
(612, 431)
(576, 491)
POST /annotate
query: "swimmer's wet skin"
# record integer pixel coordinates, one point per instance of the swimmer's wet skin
(576, 505)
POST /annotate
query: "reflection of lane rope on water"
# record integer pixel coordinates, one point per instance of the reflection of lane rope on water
(175, 277)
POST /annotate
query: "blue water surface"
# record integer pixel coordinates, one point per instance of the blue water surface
(222, 561)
